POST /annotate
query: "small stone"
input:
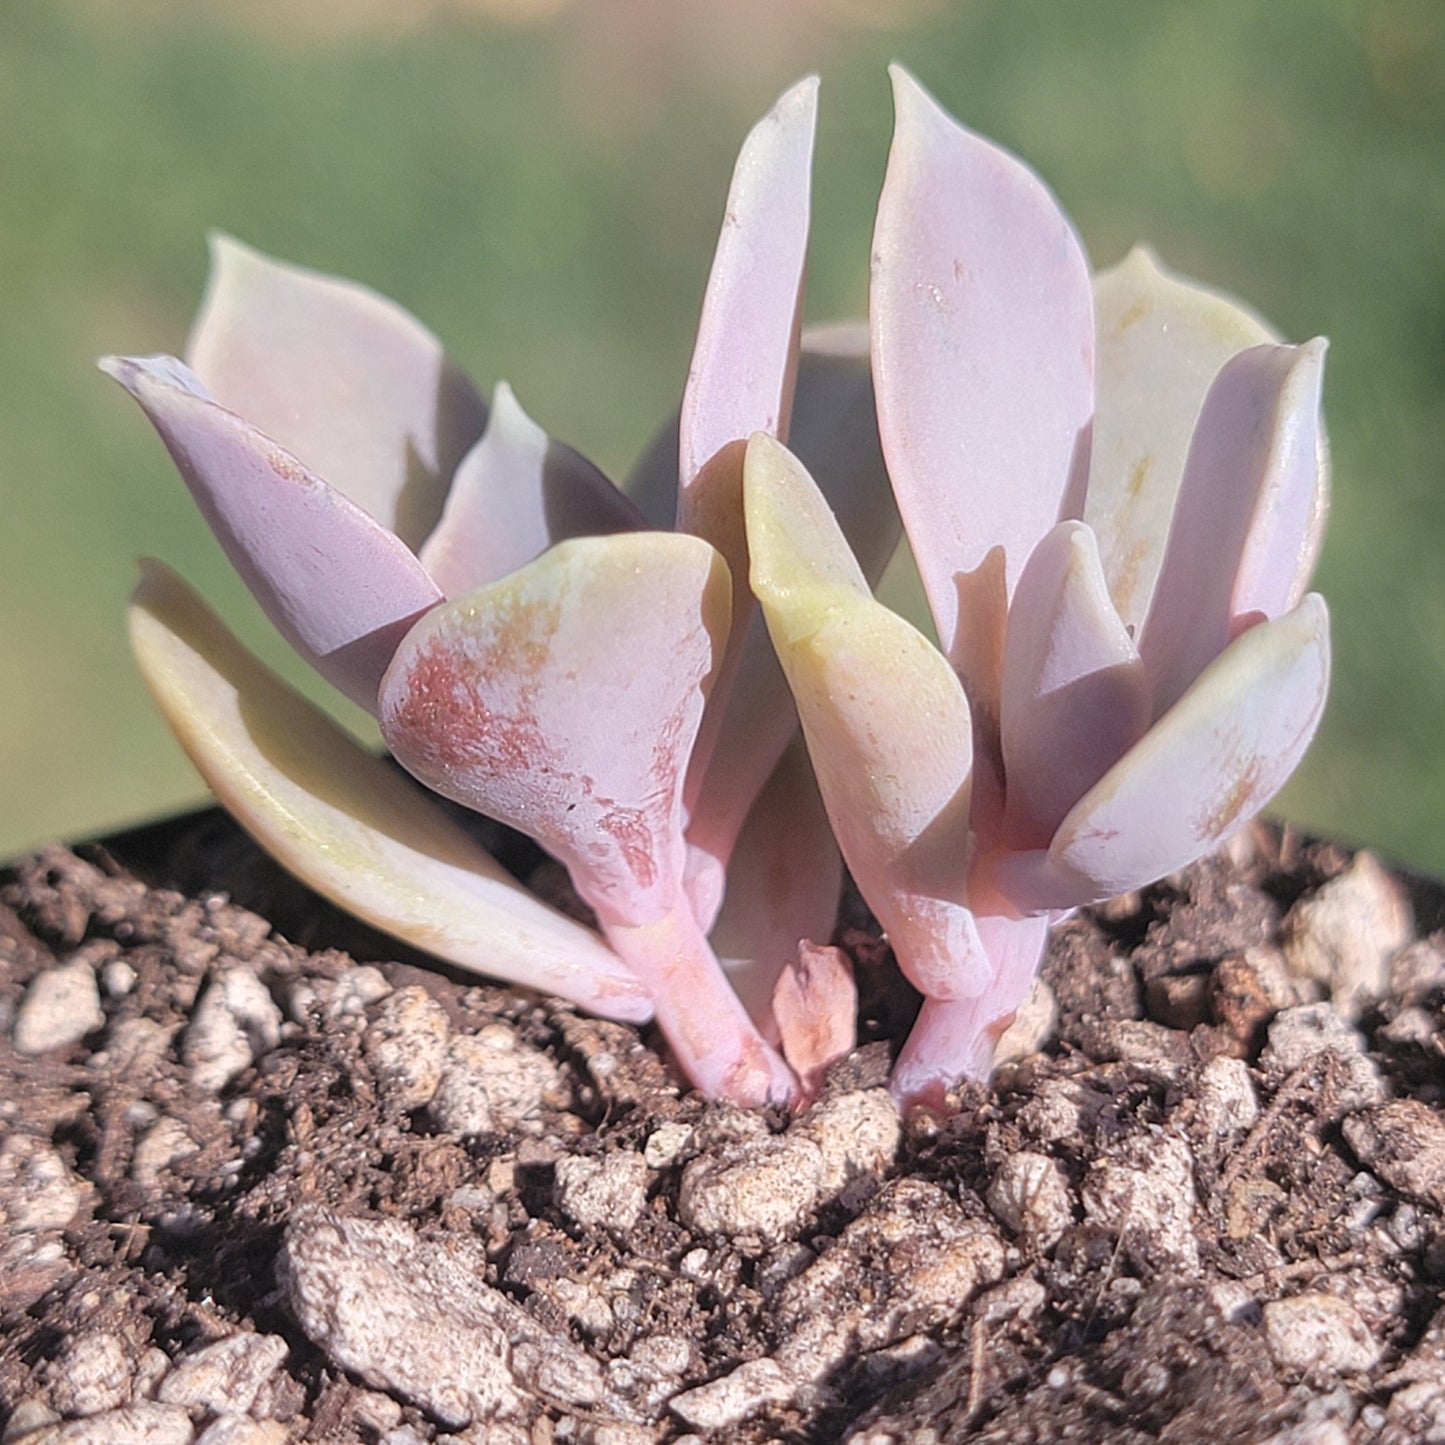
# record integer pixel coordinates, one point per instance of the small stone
(227, 1376)
(416, 1318)
(118, 978)
(91, 1374)
(1299, 1036)
(30, 1415)
(138, 1424)
(1417, 971)
(165, 1143)
(765, 1186)
(1033, 1025)
(238, 1430)
(1145, 1197)
(1179, 1000)
(491, 1083)
(61, 1006)
(609, 1192)
(1029, 1196)
(235, 1022)
(1319, 1332)
(1403, 1142)
(356, 990)
(406, 1046)
(1225, 1102)
(1344, 935)
(856, 1133)
(752, 1387)
(37, 1189)
(665, 1143)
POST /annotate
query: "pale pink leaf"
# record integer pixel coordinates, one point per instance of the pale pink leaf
(516, 493)
(1075, 695)
(564, 700)
(954, 1039)
(340, 588)
(342, 377)
(783, 884)
(741, 378)
(1162, 341)
(885, 718)
(1247, 523)
(983, 349)
(347, 823)
(1208, 766)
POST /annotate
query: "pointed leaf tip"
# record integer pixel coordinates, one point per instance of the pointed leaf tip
(743, 365)
(346, 379)
(339, 587)
(516, 493)
(1208, 766)
(983, 348)
(1246, 527)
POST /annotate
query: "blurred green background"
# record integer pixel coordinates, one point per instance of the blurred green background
(542, 185)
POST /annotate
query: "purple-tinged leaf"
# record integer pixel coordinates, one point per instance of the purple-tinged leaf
(783, 884)
(885, 718)
(954, 1039)
(344, 378)
(1162, 341)
(983, 349)
(341, 589)
(718, 1046)
(564, 700)
(1205, 768)
(1075, 694)
(516, 493)
(741, 380)
(1247, 524)
(347, 823)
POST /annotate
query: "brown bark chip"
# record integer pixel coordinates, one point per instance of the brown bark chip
(259, 1193)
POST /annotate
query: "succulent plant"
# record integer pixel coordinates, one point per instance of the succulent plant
(1114, 491)
(534, 644)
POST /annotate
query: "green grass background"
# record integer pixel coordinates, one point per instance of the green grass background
(546, 197)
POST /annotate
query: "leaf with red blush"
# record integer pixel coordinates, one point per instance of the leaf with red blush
(564, 700)
(347, 823)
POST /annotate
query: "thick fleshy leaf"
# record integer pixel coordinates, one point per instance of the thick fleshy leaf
(783, 884)
(1247, 523)
(741, 380)
(351, 383)
(1075, 694)
(983, 349)
(564, 700)
(954, 1039)
(1205, 768)
(885, 718)
(835, 431)
(516, 493)
(340, 588)
(1162, 341)
(347, 823)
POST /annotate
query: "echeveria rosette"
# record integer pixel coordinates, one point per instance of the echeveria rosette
(528, 646)
(1115, 695)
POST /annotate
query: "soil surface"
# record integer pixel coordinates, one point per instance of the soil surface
(266, 1177)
